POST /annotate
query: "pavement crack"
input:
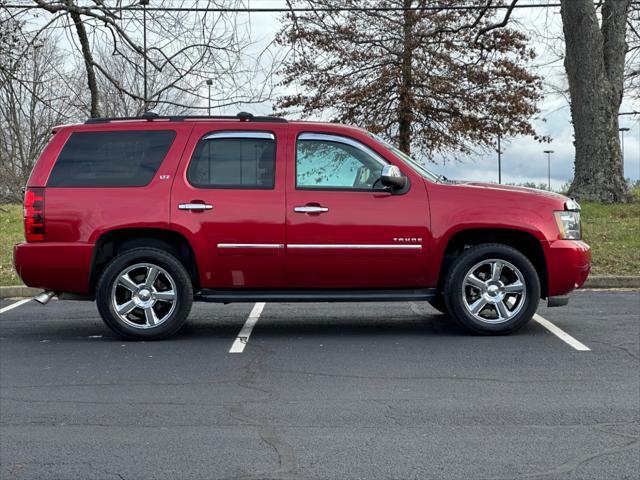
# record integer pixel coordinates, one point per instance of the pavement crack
(287, 465)
(571, 466)
(620, 346)
(418, 377)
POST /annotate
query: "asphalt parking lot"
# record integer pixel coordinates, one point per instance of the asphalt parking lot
(322, 391)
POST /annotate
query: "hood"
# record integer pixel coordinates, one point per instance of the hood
(513, 188)
(529, 196)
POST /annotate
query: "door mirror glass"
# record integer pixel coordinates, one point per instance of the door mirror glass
(392, 177)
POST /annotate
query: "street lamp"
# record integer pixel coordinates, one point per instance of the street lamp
(209, 83)
(622, 130)
(144, 4)
(548, 152)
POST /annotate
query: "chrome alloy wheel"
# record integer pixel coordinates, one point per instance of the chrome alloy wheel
(144, 295)
(494, 291)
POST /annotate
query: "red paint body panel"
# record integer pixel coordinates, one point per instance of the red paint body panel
(238, 216)
(62, 267)
(429, 213)
(355, 218)
(569, 264)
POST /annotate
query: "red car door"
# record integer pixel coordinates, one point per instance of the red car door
(343, 229)
(229, 200)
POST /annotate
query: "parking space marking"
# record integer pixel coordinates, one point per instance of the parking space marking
(561, 334)
(15, 305)
(243, 337)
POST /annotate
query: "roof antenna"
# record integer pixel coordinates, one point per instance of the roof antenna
(244, 116)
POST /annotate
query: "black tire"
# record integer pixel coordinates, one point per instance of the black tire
(439, 304)
(455, 288)
(172, 280)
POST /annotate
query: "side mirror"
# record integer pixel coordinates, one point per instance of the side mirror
(392, 177)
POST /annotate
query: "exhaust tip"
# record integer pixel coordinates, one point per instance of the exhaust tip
(44, 297)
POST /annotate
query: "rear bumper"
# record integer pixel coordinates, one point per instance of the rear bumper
(62, 267)
(568, 265)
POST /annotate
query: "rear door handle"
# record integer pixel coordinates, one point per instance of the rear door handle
(194, 206)
(310, 209)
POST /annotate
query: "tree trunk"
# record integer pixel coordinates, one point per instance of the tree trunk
(594, 63)
(88, 63)
(405, 115)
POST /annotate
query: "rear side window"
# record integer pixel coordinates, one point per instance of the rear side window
(234, 160)
(111, 159)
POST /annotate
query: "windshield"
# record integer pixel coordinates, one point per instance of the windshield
(413, 164)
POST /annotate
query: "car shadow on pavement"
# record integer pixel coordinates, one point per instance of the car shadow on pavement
(310, 325)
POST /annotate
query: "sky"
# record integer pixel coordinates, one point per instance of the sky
(523, 158)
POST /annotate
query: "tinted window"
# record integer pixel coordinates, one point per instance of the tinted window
(233, 163)
(325, 164)
(110, 159)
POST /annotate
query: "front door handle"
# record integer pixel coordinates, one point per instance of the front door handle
(195, 206)
(310, 209)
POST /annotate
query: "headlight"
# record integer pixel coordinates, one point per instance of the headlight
(569, 225)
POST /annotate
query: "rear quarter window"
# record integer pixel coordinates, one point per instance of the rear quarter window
(111, 159)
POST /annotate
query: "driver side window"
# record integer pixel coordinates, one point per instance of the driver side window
(327, 164)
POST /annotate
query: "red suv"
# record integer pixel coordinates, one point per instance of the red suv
(145, 215)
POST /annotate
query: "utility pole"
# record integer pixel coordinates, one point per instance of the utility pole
(548, 152)
(209, 83)
(144, 4)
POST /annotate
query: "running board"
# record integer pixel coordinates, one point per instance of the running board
(371, 295)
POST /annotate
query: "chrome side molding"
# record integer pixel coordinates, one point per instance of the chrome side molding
(250, 245)
(354, 246)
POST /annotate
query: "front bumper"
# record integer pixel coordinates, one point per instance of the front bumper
(568, 266)
(62, 267)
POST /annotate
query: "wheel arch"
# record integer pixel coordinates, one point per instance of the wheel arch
(113, 242)
(523, 241)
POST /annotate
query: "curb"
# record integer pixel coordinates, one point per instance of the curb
(594, 282)
(612, 282)
(18, 291)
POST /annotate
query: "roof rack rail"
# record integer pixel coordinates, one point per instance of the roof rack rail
(151, 116)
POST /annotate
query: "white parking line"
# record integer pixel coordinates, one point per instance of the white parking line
(15, 305)
(243, 337)
(561, 334)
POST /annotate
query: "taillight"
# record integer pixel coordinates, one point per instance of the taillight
(34, 214)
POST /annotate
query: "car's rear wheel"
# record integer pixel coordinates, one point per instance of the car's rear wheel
(492, 289)
(144, 293)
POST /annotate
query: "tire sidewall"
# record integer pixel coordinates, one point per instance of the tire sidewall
(455, 284)
(184, 293)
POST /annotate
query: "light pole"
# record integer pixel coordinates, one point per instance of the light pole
(209, 83)
(622, 130)
(548, 152)
(144, 4)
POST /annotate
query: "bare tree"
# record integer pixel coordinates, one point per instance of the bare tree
(11, 41)
(632, 59)
(435, 79)
(184, 49)
(595, 66)
(31, 103)
(114, 100)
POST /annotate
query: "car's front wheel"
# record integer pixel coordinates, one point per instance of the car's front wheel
(144, 294)
(492, 289)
